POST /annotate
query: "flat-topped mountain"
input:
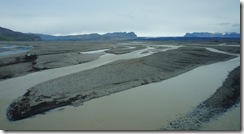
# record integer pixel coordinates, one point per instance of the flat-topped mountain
(9, 35)
(94, 37)
(206, 34)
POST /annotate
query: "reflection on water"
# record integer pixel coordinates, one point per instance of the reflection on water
(148, 107)
(12, 49)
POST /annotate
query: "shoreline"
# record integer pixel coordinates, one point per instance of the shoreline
(137, 72)
(224, 99)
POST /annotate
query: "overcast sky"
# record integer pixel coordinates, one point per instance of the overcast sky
(144, 17)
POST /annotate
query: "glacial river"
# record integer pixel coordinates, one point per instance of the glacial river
(12, 49)
(147, 107)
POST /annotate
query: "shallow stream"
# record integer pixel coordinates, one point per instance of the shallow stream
(12, 49)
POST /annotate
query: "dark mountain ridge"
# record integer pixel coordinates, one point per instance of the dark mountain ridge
(209, 35)
(9, 35)
(94, 37)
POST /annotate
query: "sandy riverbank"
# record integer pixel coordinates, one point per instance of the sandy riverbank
(83, 86)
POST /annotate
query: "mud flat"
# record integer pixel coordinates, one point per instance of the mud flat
(77, 88)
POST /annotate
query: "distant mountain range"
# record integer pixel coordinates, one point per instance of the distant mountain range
(206, 34)
(9, 35)
(88, 37)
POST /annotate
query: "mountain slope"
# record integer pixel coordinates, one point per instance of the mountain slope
(9, 35)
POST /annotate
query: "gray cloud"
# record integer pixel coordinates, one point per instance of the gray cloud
(223, 23)
(235, 25)
(144, 17)
(128, 16)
